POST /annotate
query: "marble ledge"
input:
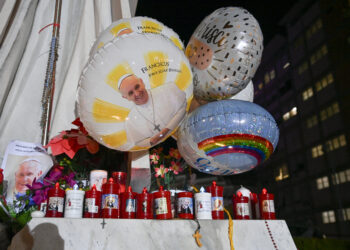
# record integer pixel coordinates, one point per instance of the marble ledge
(61, 233)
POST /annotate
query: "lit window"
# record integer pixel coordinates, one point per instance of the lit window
(335, 108)
(261, 85)
(346, 214)
(282, 173)
(318, 86)
(328, 217)
(312, 121)
(317, 25)
(322, 183)
(317, 151)
(272, 74)
(336, 143)
(286, 116)
(342, 140)
(267, 78)
(347, 173)
(329, 111)
(286, 65)
(329, 145)
(335, 179)
(290, 113)
(330, 78)
(308, 94)
(324, 82)
(318, 54)
(341, 177)
(324, 50)
(302, 68)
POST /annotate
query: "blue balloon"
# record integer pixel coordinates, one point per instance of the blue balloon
(227, 137)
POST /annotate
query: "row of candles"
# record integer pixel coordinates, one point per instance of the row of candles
(114, 201)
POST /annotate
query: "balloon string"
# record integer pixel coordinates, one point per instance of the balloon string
(195, 189)
(230, 228)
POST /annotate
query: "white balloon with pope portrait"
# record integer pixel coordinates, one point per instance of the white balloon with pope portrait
(135, 91)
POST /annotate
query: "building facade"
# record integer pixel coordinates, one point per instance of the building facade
(303, 82)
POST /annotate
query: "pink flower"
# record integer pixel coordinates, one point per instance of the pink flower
(175, 167)
(154, 158)
(175, 153)
(161, 171)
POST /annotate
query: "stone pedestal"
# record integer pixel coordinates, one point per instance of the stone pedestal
(60, 233)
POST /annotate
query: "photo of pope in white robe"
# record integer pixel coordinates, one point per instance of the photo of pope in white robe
(156, 112)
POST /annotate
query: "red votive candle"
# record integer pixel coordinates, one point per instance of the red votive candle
(144, 205)
(55, 201)
(241, 207)
(110, 199)
(267, 206)
(162, 204)
(92, 208)
(120, 178)
(128, 205)
(217, 201)
(185, 205)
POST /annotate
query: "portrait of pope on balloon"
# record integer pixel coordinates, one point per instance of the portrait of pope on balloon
(155, 113)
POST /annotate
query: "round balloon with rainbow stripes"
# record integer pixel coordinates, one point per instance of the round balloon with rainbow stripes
(135, 24)
(134, 92)
(227, 137)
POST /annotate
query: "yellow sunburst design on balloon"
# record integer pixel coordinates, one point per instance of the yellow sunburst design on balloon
(189, 103)
(184, 78)
(137, 148)
(157, 64)
(106, 112)
(122, 26)
(176, 42)
(100, 45)
(149, 26)
(116, 73)
(116, 139)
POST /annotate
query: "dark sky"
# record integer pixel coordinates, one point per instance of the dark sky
(184, 16)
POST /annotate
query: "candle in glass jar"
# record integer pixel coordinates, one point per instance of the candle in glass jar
(96, 177)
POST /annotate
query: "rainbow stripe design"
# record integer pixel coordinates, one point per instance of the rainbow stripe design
(256, 146)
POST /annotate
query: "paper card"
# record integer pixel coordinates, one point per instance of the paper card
(23, 161)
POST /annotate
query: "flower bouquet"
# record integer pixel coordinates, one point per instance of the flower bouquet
(165, 167)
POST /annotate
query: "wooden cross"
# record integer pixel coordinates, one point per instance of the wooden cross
(197, 236)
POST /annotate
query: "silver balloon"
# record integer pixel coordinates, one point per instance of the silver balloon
(224, 51)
